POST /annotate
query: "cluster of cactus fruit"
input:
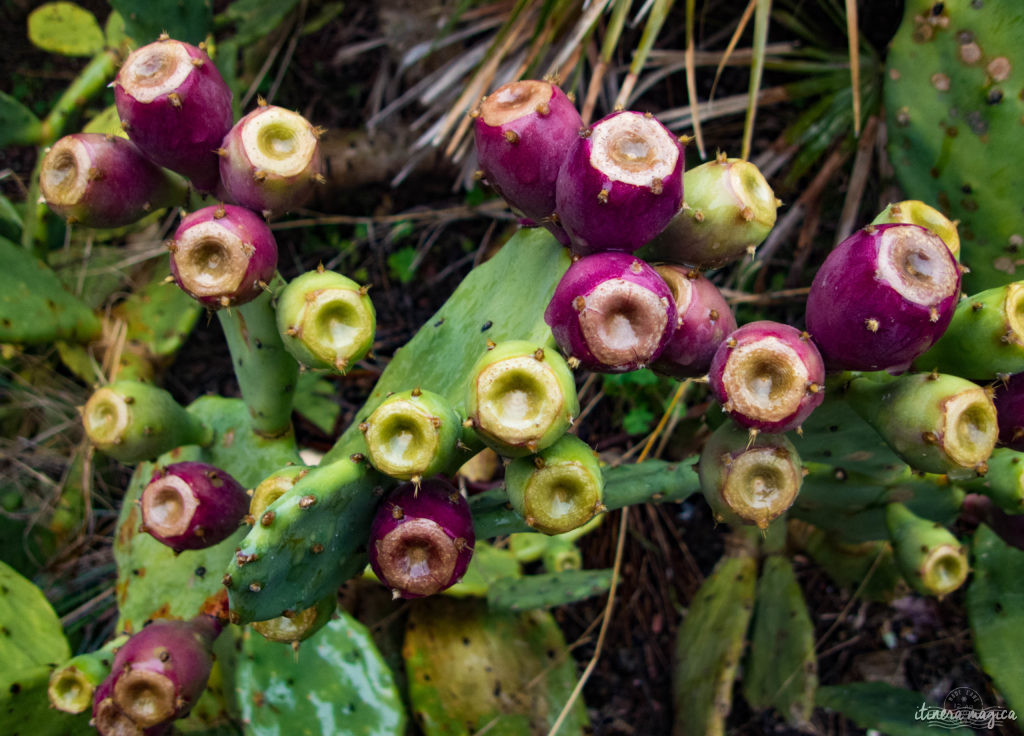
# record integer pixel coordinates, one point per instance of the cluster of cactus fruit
(616, 241)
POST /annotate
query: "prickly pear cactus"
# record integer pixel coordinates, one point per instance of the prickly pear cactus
(954, 105)
(470, 669)
(32, 645)
(337, 683)
(153, 581)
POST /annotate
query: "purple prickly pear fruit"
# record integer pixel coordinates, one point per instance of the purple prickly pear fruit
(620, 184)
(882, 298)
(704, 320)
(176, 108)
(523, 131)
(729, 210)
(223, 255)
(1009, 402)
(160, 672)
(270, 160)
(421, 539)
(612, 312)
(192, 505)
(104, 181)
(110, 720)
(916, 212)
(768, 376)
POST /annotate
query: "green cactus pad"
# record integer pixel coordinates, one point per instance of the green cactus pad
(471, 669)
(709, 646)
(547, 590)
(307, 542)
(30, 632)
(152, 580)
(782, 669)
(834, 434)
(954, 121)
(851, 506)
(503, 299)
(32, 645)
(867, 568)
(336, 683)
(995, 610)
(34, 307)
(881, 707)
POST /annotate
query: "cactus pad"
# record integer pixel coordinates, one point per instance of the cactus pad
(952, 97)
(336, 683)
(468, 668)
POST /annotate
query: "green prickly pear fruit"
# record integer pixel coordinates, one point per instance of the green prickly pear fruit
(134, 421)
(937, 423)
(954, 111)
(412, 434)
(728, 211)
(562, 555)
(326, 320)
(916, 212)
(521, 397)
(931, 559)
(558, 489)
(985, 337)
(273, 487)
(749, 478)
(296, 626)
(72, 686)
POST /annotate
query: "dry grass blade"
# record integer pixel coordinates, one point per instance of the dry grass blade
(854, 41)
(572, 45)
(620, 544)
(480, 82)
(691, 79)
(656, 19)
(764, 10)
(731, 47)
(608, 45)
(858, 180)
